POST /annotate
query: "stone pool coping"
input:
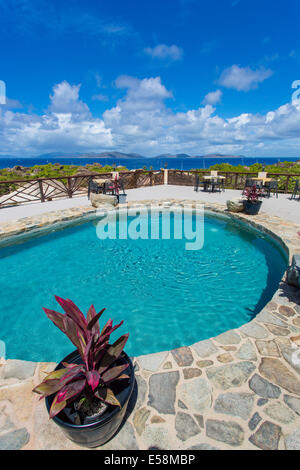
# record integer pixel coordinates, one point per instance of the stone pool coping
(239, 390)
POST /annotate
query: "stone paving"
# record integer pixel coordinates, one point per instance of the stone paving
(239, 390)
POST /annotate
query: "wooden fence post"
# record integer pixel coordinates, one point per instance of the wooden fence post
(41, 191)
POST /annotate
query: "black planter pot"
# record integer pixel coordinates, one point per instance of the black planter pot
(101, 429)
(252, 208)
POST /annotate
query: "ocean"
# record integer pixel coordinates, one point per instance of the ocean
(149, 163)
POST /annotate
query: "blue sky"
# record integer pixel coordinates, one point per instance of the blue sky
(166, 76)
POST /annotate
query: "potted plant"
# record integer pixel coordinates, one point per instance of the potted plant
(88, 392)
(253, 201)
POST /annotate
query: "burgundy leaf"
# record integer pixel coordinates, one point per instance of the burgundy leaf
(56, 317)
(93, 378)
(113, 352)
(72, 311)
(94, 320)
(112, 373)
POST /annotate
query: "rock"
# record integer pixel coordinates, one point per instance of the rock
(202, 447)
(287, 311)
(267, 348)
(229, 337)
(162, 391)
(157, 419)
(254, 330)
(191, 373)
(197, 394)
(292, 441)
(263, 388)
(231, 375)
(183, 356)
(228, 432)
(293, 403)
(204, 348)
(291, 355)
(268, 317)
(275, 371)
(247, 352)
(17, 369)
(152, 362)
(267, 436)
(279, 412)
(156, 436)
(278, 330)
(185, 426)
(225, 357)
(235, 204)
(141, 390)
(140, 419)
(254, 421)
(14, 440)
(98, 200)
(235, 404)
(262, 401)
(167, 365)
(200, 420)
(204, 363)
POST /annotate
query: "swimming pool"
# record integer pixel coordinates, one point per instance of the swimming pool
(167, 296)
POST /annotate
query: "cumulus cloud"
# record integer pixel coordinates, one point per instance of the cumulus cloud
(213, 97)
(141, 121)
(162, 51)
(243, 78)
(65, 99)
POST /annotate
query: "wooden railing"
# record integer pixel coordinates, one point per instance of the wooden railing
(22, 191)
(233, 180)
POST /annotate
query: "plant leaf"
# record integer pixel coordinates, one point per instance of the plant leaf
(56, 317)
(94, 320)
(56, 408)
(113, 352)
(106, 394)
(93, 378)
(112, 373)
(72, 311)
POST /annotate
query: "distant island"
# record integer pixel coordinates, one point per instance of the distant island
(121, 155)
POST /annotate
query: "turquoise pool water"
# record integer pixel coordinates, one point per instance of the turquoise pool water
(167, 296)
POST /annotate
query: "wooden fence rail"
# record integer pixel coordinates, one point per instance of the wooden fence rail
(233, 180)
(22, 191)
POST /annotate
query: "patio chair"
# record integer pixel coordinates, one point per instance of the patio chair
(217, 183)
(271, 186)
(296, 190)
(94, 187)
(199, 182)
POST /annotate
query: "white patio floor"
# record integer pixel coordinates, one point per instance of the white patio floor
(283, 207)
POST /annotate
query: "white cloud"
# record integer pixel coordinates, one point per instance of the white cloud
(162, 51)
(65, 99)
(213, 97)
(243, 78)
(142, 122)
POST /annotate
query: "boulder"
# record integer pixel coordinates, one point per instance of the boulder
(98, 200)
(235, 205)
